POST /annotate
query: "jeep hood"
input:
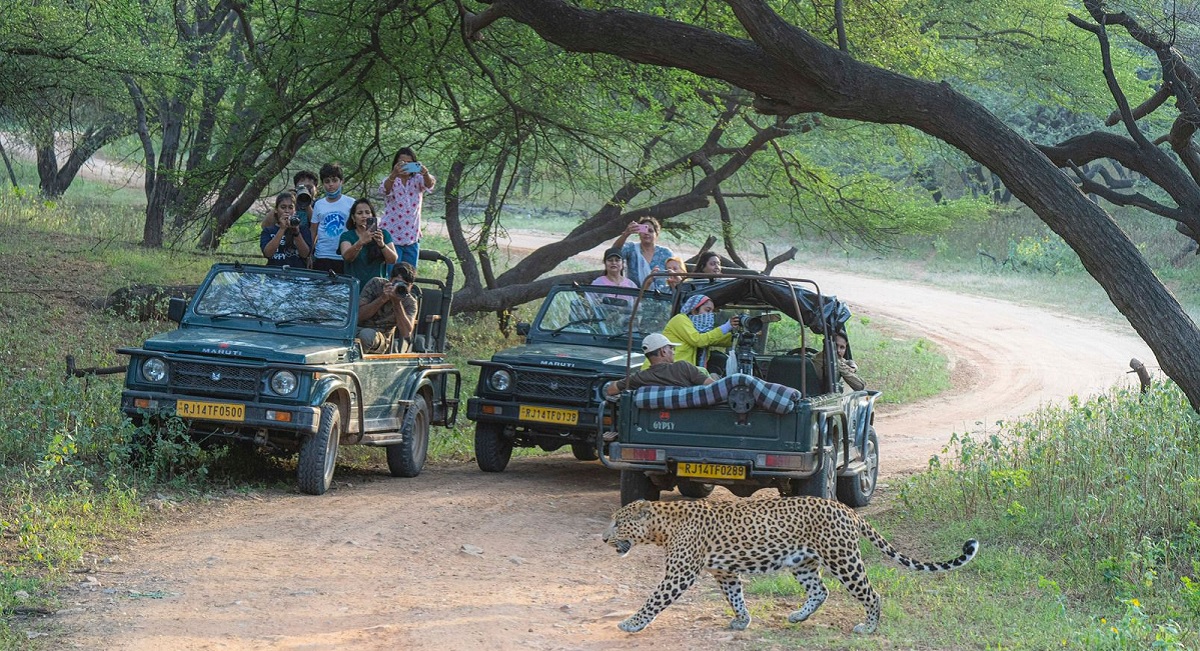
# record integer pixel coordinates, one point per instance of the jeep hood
(245, 345)
(569, 357)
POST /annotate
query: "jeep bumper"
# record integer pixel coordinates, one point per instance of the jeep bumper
(228, 420)
(550, 418)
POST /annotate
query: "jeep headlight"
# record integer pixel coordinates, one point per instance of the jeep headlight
(283, 383)
(500, 380)
(154, 370)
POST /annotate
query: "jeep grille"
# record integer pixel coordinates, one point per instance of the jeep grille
(215, 378)
(534, 384)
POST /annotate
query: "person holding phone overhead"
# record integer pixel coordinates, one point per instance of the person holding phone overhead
(644, 256)
(403, 192)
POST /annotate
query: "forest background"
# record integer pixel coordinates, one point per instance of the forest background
(219, 103)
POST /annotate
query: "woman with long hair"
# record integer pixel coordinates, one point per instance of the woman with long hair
(366, 248)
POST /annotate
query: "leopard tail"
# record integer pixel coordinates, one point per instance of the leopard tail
(970, 548)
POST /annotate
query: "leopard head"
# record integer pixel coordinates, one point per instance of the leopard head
(641, 522)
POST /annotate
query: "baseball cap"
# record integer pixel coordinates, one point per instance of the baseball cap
(611, 253)
(653, 342)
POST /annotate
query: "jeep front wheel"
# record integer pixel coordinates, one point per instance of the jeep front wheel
(636, 485)
(857, 489)
(407, 458)
(318, 454)
(492, 450)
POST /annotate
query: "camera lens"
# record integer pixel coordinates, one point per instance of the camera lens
(294, 221)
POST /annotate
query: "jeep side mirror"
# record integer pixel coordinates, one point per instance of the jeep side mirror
(175, 309)
(522, 329)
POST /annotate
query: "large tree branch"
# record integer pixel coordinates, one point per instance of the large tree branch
(794, 71)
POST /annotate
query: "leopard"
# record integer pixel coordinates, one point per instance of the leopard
(732, 538)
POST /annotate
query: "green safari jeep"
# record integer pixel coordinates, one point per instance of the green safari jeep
(546, 392)
(268, 356)
(780, 418)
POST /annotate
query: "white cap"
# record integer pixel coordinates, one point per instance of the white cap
(655, 341)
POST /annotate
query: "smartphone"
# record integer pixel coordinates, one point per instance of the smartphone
(412, 168)
(643, 228)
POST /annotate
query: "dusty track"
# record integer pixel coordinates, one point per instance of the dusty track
(459, 559)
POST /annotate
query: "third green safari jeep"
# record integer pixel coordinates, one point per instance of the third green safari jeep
(820, 441)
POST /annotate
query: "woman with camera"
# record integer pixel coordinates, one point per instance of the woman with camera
(366, 248)
(696, 330)
(283, 242)
(644, 256)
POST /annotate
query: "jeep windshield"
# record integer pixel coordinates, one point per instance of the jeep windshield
(599, 313)
(276, 297)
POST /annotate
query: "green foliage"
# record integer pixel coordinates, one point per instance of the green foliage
(1107, 487)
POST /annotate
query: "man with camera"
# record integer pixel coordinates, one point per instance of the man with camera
(306, 189)
(283, 241)
(387, 310)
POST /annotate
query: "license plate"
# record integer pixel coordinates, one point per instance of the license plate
(210, 410)
(710, 471)
(548, 415)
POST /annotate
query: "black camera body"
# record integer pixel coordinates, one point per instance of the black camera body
(294, 221)
(303, 196)
(746, 339)
(401, 287)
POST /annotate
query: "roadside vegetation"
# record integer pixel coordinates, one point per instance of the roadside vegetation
(1079, 551)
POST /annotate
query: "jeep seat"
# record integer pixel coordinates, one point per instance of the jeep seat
(785, 370)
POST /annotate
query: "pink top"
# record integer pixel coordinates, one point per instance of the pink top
(402, 208)
(603, 280)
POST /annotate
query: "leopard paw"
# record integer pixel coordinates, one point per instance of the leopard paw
(864, 628)
(632, 625)
(739, 623)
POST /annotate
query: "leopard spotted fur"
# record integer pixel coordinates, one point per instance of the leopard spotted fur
(728, 539)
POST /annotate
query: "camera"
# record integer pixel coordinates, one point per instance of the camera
(749, 328)
(372, 224)
(294, 221)
(401, 287)
(303, 195)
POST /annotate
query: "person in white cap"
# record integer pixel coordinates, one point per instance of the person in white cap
(663, 371)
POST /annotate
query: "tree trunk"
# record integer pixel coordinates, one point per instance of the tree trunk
(53, 180)
(792, 72)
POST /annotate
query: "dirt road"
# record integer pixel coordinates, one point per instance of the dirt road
(456, 559)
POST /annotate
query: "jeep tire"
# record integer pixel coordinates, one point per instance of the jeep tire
(407, 458)
(856, 490)
(318, 454)
(584, 451)
(695, 489)
(636, 485)
(492, 450)
(823, 483)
